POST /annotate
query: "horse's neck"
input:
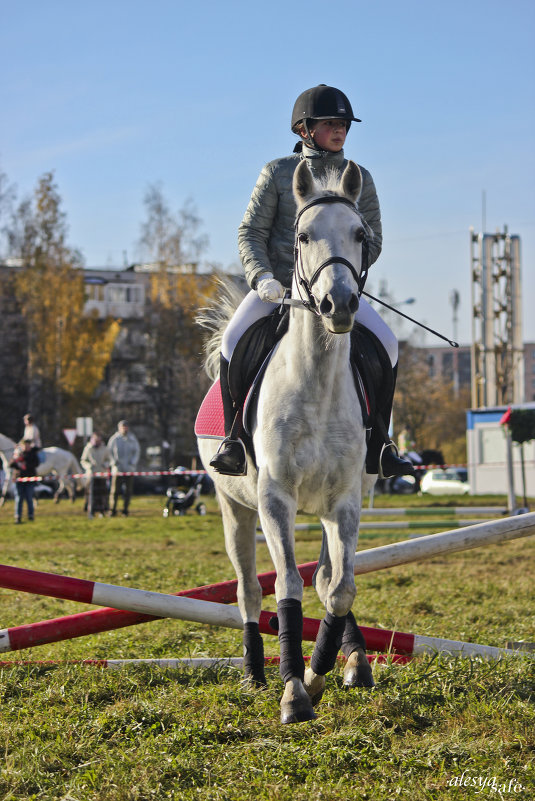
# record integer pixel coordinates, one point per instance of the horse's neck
(319, 360)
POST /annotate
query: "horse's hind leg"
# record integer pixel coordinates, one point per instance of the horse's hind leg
(357, 672)
(59, 490)
(239, 523)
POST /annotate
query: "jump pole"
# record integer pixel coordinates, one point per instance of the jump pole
(193, 662)
(191, 609)
(367, 525)
(422, 511)
(96, 621)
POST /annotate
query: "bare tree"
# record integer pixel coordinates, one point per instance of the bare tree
(174, 380)
(166, 238)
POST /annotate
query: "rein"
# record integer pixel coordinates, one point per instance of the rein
(307, 284)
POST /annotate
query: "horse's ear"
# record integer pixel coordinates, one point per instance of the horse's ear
(303, 182)
(352, 181)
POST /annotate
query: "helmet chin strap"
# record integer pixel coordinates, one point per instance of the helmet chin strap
(310, 140)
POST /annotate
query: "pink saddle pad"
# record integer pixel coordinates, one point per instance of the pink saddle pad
(210, 422)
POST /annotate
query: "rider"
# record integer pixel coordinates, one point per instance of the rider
(321, 118)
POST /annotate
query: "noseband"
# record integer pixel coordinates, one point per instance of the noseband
(307, 284)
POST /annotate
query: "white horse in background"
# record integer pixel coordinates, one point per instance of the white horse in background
(310, 446)
(58, 463)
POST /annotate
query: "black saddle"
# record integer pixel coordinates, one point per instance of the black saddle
(372, 369)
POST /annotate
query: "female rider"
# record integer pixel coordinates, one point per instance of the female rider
(321, 118)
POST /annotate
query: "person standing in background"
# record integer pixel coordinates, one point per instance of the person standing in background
(24, 465)
(96, 458)
(31, 431)
(124, 450)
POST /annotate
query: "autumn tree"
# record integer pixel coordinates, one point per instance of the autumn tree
(67, 351)
(173, 245)
(428, 405)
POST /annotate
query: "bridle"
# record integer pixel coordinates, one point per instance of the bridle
(306, 284)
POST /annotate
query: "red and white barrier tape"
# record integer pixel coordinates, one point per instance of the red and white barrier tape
(108, 473)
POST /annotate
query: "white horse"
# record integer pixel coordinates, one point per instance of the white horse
(58, 462)
(310, 447)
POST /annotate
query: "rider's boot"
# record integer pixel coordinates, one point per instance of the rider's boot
(382, 454)
(230, 459)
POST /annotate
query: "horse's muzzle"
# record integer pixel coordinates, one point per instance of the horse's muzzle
(338, 307)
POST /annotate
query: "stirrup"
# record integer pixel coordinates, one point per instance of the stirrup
(230, 458)
(404, 467)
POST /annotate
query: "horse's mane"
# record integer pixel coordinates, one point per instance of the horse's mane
(214, 318)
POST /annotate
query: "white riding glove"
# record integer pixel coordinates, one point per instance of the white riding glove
(269, 289)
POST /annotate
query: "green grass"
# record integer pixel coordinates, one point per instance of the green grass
(79, 733)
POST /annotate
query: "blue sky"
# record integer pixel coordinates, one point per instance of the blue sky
(114, 96)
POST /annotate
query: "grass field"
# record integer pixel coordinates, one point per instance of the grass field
(434, 729)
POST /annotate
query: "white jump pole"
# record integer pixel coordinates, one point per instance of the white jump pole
(463, 539)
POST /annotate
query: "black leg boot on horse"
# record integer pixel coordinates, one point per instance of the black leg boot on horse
(230, 459)
(382, 454)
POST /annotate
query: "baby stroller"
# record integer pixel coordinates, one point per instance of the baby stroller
(184, 495)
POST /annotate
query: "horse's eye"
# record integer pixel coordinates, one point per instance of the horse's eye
(359, 235)
(303, 238)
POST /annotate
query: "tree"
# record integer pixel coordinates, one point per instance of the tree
(7, 198)
(167, 239)
(67, 352)
(428, 406)
(174, 381)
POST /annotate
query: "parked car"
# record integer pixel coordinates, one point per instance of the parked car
(447, 481)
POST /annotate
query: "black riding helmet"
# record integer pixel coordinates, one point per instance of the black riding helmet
(322, 103)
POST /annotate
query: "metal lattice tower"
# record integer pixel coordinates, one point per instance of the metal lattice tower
(497, 347)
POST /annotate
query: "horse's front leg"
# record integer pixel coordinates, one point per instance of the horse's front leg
(277, 509)
(335, 584)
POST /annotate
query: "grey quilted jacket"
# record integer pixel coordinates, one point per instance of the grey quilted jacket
(266, 233)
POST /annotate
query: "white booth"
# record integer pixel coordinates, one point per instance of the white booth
(488, 453)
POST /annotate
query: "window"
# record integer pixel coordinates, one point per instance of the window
(121, 293)
(94, 291)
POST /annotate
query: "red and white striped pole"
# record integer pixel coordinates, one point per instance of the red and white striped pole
(95, 621)
(184, 608)
(193, 662)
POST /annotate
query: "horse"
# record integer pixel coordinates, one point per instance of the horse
(58, 462)
(309, 445)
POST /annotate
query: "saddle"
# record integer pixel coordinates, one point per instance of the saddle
(370, 363)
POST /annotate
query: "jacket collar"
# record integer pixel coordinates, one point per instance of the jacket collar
(322, 158)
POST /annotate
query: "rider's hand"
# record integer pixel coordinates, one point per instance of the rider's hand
(269, 289)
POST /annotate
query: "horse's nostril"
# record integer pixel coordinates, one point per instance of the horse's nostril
(326, 305)
(354, 304)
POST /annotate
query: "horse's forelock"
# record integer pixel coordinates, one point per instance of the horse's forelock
(327, 184)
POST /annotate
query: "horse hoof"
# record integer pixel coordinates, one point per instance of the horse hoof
(314, 685)
(358, 672)
(296, 706)
(297, 715)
